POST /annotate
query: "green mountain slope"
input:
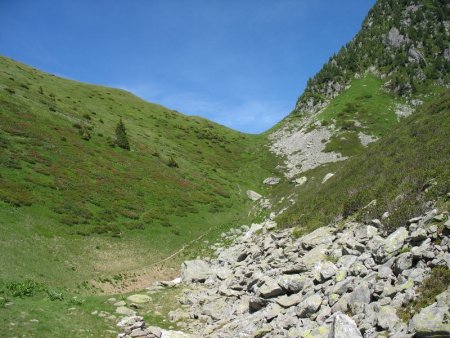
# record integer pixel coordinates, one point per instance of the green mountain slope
(398, 60)
(73, 201)
(397, 65)
(403, 171)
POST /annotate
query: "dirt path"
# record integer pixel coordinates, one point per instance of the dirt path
(141, 278)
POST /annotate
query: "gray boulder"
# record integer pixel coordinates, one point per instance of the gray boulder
(195, 271)
(309, 306)
(288, 301)
(319, 236)
(270, 288)
(387, 317)
(403, 262)
(418, 235)
(361, 294)
(434, 320)
(294, 283)
(327, 270)
(344, 327)
(391, 244)
(315, 255)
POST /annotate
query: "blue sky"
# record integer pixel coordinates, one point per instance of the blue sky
(241, 63)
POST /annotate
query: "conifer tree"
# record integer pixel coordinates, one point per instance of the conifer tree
(121, 136)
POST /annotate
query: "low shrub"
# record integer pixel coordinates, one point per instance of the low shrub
(27, 288)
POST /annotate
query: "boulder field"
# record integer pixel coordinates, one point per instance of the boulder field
(346, 280)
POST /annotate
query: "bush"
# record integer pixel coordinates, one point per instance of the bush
(54, 295)
(75, 301)
(27, 288)
(15, 194)
(172, 163)
(121, 136)
(84, 133)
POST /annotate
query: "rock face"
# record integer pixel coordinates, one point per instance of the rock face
(339, 282)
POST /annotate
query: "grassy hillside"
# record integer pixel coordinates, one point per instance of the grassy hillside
(83, 208)
(365, 109)
(406, 168)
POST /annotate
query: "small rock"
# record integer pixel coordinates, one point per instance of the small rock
(302, 180)
(123, 310)
(327, 177)
(272, 180)
(270, 288)
(256, 303)
(155, 331)
(288, 301)
(254, 196)
(327, 271)
(139, 299)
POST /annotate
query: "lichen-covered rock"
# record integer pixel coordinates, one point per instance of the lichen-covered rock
(309, 306)
(319, 236)
(392, 244)
(387, 317)
(434, 319)
(344, 327)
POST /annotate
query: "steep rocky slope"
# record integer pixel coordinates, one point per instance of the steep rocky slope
(398, 58)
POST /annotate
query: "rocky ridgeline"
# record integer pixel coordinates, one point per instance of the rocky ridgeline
(340, 281)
